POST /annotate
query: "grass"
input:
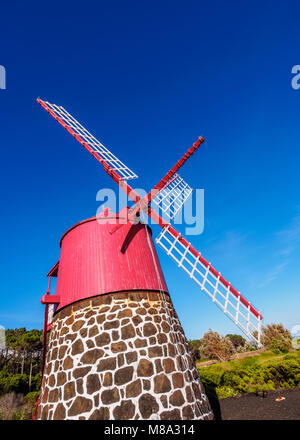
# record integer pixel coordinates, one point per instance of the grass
(15, 407)
(261, 360)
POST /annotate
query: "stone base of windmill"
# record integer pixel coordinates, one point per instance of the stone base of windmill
(121, 356)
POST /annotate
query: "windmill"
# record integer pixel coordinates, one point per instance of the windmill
(168, 197)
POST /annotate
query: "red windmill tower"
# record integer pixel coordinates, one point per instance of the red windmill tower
(116, 348)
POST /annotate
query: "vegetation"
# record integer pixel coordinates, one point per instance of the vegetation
(22, 354)
(215, 346)
(268, 371)
(277, 338)
(240, 344)
(237, 340)
(20, 365)
(195, 347)
(279, 367)
(15, 407)
(18, 383)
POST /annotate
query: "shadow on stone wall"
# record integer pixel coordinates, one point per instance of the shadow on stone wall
(213, 400)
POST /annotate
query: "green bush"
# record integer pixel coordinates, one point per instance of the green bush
(224, 391)
(32, 397)
(18, 383)
(284, 374)
(13, 383)
(252, 377)
(21, 415)
(36, 382)
(211, 377)
(277, 338)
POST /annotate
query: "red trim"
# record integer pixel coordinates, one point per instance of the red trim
(179, 164)
(75, 226)
(54, 271)
(50, 299)
(92, 219)
(45, 338)
(45, 330)
(169, 182)
(35, 409)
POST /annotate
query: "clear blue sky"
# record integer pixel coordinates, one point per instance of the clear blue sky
(147, 78)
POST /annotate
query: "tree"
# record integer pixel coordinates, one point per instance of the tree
(246, 347)
(195, 345)
(276, 337)
(237, 340)
(22, 353)
(215, 346)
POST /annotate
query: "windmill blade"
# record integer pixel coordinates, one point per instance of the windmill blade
(111, 163)
(172, 196)
(231, 302)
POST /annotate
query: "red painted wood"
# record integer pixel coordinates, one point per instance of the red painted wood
(53, 272)
(94, 262)
(50, 299)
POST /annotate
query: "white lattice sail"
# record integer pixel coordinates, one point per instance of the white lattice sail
(116, 165)
(239, 310)
(172, 196)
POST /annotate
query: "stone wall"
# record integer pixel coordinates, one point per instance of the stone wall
(121, 356)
